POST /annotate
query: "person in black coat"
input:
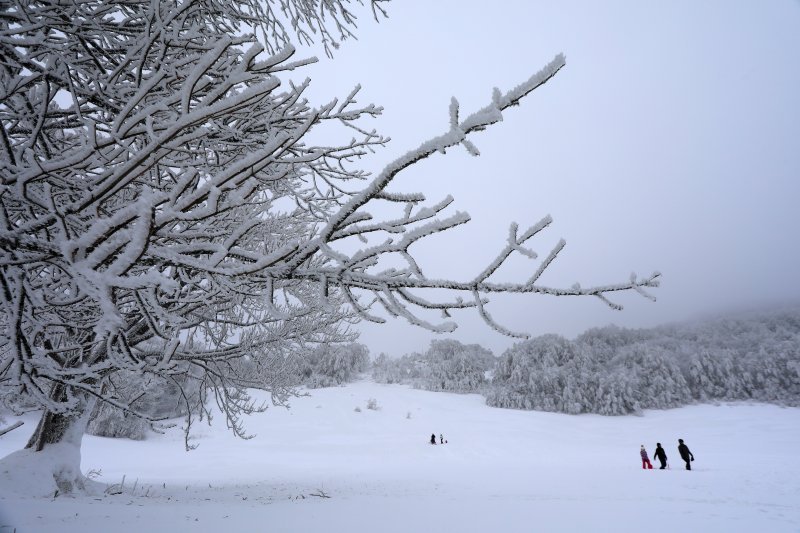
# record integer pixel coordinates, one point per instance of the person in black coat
(433, 438)
(686, 455)
(661, 455)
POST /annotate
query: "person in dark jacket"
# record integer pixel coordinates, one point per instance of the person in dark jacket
(433, 438)
(661, 455)
(686, 455)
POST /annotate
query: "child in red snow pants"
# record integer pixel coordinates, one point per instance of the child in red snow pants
(645, 460)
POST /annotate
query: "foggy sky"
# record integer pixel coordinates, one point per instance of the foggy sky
(669, 142)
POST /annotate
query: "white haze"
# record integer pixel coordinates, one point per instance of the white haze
(669, 142)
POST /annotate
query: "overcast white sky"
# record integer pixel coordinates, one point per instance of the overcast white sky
(670, 142)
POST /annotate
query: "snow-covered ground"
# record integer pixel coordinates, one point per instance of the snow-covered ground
(501, 470)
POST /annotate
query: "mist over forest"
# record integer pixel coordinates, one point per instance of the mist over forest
(616, 371)
(752, 356)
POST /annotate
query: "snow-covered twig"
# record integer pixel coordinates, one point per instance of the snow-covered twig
(12, 427)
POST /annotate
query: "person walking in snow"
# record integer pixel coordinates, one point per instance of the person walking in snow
(433, 438)
(661, 455)
(686, 455)
(645, 460)
(441, 438)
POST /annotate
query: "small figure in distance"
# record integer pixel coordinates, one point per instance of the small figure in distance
(645, 460)
(661, 455)
(686, 455)
(433, 438)
(441, 438)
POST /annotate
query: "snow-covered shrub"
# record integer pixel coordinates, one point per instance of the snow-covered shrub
(108, 421)
(372, 404)
(153, 396)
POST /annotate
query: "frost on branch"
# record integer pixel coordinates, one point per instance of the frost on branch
(360, 274)
(165, 218)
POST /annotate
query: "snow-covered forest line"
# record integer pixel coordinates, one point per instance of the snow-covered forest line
(608, 370)
(616, 371)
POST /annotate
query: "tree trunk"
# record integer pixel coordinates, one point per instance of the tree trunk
(53, 427)
(58, 437)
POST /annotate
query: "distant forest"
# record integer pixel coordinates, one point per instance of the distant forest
(609, 371)
(617, 371)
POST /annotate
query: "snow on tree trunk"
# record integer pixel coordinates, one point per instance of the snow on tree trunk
(50, 463)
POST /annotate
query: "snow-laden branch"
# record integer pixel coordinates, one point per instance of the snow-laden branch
(10, 428)
(351, 221)
(457, 134)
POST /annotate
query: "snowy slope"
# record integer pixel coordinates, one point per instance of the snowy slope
(502, 470)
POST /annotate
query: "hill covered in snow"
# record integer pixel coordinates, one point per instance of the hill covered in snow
(323, 464)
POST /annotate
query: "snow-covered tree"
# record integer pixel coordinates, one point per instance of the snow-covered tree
(409, 368)
(447, 365)
(616, 371)
(545, 373)
(164, 212)
(456, 367)
(329, 365)
(653, 375)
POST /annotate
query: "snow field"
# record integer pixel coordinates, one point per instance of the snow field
(501, 470)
